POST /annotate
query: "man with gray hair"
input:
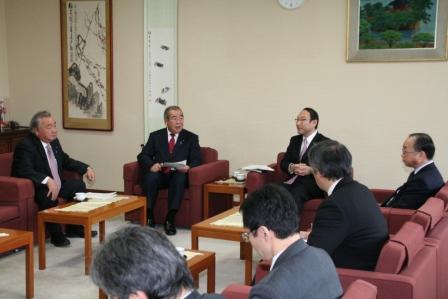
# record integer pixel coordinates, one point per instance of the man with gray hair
(348, 224)
(40, 158)
(138, 262)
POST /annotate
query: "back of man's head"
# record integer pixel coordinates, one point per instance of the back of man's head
(423, 142)
(138, 258)
(331, 158)
(271, 206)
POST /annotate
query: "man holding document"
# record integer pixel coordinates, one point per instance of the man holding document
(179, 150)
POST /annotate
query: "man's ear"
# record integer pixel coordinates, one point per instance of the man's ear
(138, 295)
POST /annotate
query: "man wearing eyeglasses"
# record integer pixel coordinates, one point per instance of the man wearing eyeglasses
(300, 181)
(297, 270)
(170, 144)
(424, 181)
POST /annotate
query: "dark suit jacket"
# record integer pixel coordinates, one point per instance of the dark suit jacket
(417, 189)
(195, 295)
(350, 227)
(301, 271)
(156, 149)
(292, 156)
(30, 161)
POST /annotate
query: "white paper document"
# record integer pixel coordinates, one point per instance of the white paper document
(104, 196)
(175, 165)
(258, 168)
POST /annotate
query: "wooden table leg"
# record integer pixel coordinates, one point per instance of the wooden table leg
(29, 268)
(41, 236)
(211, 276)
(102, 295)
(194, 240)
(102, 226)
(206, 202)
(87, 247)
(143, 215)
(248, 264)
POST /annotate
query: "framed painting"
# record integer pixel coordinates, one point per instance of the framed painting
(397, 30)
(87, 93)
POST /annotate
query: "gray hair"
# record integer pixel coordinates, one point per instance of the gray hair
(35, 120)
(331, 158)
(139, 258)
(166, 113)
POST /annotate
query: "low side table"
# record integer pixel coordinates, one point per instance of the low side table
(18, 239)
(222, 188)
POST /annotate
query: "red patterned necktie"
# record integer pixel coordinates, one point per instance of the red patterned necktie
(171, 143)
(53, 165)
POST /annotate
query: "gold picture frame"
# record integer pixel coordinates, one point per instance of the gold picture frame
(371, 39)
(86, 46)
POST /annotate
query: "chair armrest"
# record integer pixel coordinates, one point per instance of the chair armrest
(131, 171)
(388, 284)
(255, 180)
(382, 194)
(14, 189)
(236, 291)
(209, 172)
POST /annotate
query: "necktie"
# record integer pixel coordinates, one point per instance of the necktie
(53, 166)
(171, 143)
(303, 149)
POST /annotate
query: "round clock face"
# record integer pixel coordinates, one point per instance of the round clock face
(290, 4)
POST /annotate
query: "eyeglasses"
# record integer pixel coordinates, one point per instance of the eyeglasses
(301, 120)
(245, 236)
(174, 118)
(404, 152)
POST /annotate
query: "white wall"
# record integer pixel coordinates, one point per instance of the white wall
(245, 70)
(4, 81)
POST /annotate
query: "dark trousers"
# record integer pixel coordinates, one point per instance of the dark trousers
(67, 192)
(175, 181)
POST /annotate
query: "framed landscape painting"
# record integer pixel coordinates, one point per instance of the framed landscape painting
(397, 30)
(86, 46)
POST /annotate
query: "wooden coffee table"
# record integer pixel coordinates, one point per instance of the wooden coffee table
(207, 230)
(197, 264)
(87, 219)
(18, 239)
(222, 188)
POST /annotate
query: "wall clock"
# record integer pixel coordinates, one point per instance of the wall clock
(290, 4)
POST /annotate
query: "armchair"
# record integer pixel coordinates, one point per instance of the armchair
(360, 289)
(191, 210)
(17, 207)
(405, 269)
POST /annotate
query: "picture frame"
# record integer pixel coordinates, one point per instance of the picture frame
(382, 31)
(87, 72)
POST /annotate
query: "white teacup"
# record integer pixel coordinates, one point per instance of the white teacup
(80, 196)
(240, 177)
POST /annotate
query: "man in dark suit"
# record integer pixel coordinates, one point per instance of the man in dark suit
(297, 270)
(300, 181)
(138, 262)
(348, 224)
(171, 144)
(40, 158)
(424, 181)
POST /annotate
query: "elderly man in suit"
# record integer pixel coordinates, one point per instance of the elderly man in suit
(297, 270)
(348, 224)
(138, 262)
(424, 181)
(170, 144)
(300, 181)
(40, 158)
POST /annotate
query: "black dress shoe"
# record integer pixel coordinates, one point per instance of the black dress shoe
(151, 223)
(79, 233)
(170, 229)
(59, 240)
